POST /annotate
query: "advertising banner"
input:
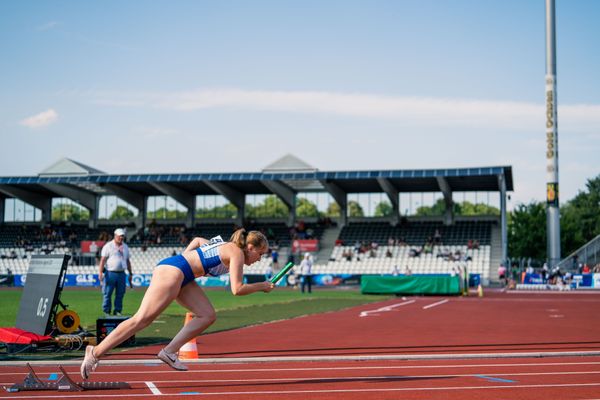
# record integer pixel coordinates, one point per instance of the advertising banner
(91, 246)
(583, 280)
(305, 245)
(533, 279)
(596, 281)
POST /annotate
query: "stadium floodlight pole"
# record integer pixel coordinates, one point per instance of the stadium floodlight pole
(552, 210)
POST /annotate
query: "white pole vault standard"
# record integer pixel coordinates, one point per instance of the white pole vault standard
(552, 210)
(384, 309)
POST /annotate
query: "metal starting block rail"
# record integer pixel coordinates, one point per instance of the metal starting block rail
(64, 384)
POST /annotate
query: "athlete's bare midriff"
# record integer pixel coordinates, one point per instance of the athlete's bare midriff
(193, 259)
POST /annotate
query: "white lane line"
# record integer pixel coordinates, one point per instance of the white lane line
(435, 304)
(385, 309)
(369, 390)
(372, 377)
(570, 385)
(153, 388)
(218, 371)
(328, 358)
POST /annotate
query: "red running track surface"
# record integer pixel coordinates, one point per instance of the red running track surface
(416, 326)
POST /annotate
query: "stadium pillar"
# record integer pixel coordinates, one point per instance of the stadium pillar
(2, 208)
(503, 219)
(140, 221)
(235, 197)
(191, 216)
(340, 197)
(392, 194)
(94, 213)
(552, 200)
(449, 205)
(241, 212)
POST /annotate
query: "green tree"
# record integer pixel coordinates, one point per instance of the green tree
(468, 208)
(463, 208)
(70, 212)
(438, 208)
(354, 209)
(271, 207)
(306, 208)
(580, 218)
(122, 212)
(225, 211)
(527, 231)
(164, 213)
(384, 209)
(333, 210)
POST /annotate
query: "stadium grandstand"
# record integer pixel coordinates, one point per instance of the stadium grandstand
(341, 244)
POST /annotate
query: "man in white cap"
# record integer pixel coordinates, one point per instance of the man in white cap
(115, 258)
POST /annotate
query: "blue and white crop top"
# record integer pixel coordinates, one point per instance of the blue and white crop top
(209, 256)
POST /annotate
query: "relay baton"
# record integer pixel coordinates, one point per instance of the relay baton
(281, 273)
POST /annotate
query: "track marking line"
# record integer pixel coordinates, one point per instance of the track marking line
(320, 378)
(153, 388)
(435, 304)
(385, 309)
(374, 377)
(204, 371)
(330, 358)
(492, 379)
(402, 389)
(308, 391)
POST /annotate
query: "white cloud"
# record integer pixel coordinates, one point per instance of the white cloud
(428, 111)
(40, 120)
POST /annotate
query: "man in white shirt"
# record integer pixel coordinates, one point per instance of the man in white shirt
(111, 273)
(305, 271)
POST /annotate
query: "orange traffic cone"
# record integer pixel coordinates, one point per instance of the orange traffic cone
(189, 351)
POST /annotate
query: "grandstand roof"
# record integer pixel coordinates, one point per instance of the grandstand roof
(288, 171)
(66, 166)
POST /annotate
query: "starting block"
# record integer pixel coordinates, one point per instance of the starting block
(64, 384)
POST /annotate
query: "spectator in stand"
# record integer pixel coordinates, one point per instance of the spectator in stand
(372, 253)
(347, 255)
(437, 237)
(407, 271)
(275, 257)
(115, 258)
(502, 274)
(395, 271)
(585, 269)
(529, 270)
(305, 271)
(415, 252)
(545, 272)
(388, 253)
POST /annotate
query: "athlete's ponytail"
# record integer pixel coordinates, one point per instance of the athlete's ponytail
(241, 238)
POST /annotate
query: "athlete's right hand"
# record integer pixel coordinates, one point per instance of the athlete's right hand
(268, 286)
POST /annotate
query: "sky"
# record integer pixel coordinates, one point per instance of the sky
(231, 86)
